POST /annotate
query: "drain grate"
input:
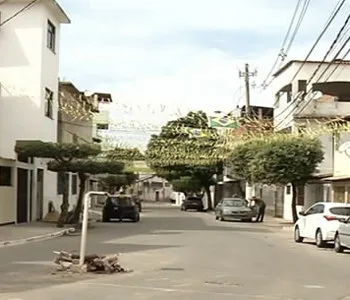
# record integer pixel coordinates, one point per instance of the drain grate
(172, 269)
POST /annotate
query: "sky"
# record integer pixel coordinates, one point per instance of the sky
(162, 58)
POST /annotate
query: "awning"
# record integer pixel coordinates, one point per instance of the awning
(337, 178)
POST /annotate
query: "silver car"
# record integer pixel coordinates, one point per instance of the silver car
(230, 209)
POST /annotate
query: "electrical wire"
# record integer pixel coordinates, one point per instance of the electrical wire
(328, 23)
(282, 53)
(319, 78)
(18, 12)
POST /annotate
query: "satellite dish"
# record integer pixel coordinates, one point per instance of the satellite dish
(317, 94)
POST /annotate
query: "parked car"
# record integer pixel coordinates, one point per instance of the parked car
(320, 222)
(342, 235)
(192, 203)
(120, 207)
(234, 209)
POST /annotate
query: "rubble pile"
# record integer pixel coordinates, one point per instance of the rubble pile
(106, 264)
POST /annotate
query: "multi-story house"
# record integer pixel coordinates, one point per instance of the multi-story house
(75, 125)
(102, 120)
(29, 58)
(310, 95)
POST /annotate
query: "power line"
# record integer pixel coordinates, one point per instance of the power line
(282, 53)
(328, 23)
(324, 71)
(301, 18)
(18, 12)
(334, 13)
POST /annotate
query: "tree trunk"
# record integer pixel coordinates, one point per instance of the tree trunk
(65, 203)
(210, 203)
(76, 216)
(294, 203)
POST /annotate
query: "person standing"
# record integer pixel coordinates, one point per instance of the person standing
(261, 206)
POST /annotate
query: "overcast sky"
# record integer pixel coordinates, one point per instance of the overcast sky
(160, 58)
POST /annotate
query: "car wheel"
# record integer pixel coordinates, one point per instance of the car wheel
(216, 217)
(337, 245)
(136, 218)
(297, 237)
(319, 239)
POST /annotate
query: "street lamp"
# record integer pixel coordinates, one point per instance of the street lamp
(85, 223)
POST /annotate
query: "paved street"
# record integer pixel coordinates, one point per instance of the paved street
(181, 254)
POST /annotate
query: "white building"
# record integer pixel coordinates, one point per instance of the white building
(29, 59)
(102, 126)
(304, 103)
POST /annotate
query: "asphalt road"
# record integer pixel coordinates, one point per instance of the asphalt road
(181, 254)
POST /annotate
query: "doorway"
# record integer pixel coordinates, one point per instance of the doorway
(22, 195)
(39, 194)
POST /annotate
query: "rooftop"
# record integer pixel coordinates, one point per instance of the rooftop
(290, 63)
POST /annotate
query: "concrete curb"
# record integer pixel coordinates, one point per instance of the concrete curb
(37, 238)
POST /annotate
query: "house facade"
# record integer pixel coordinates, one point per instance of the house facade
(312, 105)
(28, 104)
(75, 125)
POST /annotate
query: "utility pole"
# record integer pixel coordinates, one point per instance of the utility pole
(246, 74)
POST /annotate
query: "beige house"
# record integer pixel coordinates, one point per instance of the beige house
(340, 181)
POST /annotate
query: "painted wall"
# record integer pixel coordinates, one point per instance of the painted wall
(25, 72)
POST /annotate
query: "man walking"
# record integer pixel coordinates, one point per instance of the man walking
(261, 206)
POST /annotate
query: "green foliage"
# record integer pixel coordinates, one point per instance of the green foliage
(125, 154)
(88, 166)
(278, 159)
(57, 151)
(241, 157)
(187, 184)
(113, 183)
(185, 160)
(286, 159)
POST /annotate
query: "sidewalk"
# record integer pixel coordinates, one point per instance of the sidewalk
(273, 222)
(29, 232)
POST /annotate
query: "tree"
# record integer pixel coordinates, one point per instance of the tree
(85, 168)
(186, 185)
(61, 156)
(113, 183)
(282, 159)
(187, 147)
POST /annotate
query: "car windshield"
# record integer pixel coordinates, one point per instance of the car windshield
(121, 201)
(341, 211)
(234, 202)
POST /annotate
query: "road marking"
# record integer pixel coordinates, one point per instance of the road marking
(314, 286)
(183, 291)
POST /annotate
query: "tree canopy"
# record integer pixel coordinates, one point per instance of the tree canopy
(181, 151)
(279, 159)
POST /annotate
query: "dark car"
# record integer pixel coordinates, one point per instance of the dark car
(120, 207)
(192, 203)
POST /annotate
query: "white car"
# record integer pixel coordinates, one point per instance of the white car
(320, 222)
(342, 236)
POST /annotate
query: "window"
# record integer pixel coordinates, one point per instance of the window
(341, 211)
(317, 209)
(74, 184)
(48, 103)
(5, 176)
(300, 195)
(51, 36)
(60, 182)
(102, 126)
(288, 189)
